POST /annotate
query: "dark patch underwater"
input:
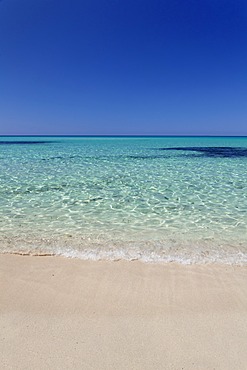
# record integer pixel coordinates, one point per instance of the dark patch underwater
(213, 152)
(144, 156)
(25, 142)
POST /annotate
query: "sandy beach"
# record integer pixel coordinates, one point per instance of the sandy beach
(58, 313)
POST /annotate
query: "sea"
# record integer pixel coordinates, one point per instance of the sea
(154, 199)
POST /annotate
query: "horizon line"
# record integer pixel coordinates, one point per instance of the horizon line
(123, 135)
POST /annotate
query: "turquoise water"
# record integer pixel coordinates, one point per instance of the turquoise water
(152, 198)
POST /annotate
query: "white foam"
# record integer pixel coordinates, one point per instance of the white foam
(152, 257)
(149, 251)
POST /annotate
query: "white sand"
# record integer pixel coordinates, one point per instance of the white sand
(58, 313)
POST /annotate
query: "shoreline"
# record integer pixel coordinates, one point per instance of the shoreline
(146, 257)
(71, 313)
(177, 260)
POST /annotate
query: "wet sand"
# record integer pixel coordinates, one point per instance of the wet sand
(58, 313)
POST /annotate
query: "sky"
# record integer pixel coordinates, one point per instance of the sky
(123, 67)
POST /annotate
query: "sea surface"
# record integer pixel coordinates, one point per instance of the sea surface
(156, 199)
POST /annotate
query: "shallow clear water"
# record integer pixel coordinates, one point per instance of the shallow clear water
(152, 198)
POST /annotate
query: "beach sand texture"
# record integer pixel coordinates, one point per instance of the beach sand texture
(58, 313)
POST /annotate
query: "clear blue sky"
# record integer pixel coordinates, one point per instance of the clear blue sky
(123, 67)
